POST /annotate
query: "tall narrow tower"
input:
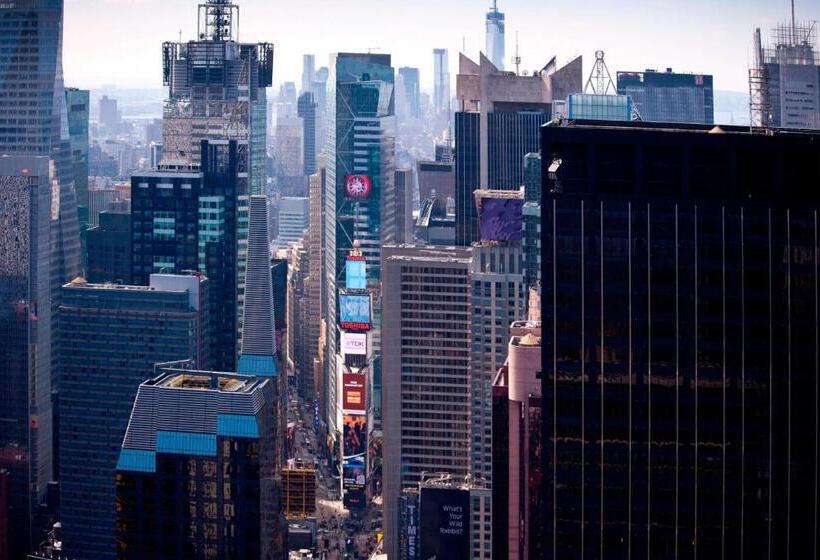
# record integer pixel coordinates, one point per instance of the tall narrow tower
(495, 36)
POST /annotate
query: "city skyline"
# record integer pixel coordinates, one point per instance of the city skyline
(697, 36)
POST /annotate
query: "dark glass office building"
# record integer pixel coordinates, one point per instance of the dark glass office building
(680, 342)
(512, 132)
(185, 220)
(306, 110)
(110, 337)
(670, 97)
(108, 249)
(195, 472)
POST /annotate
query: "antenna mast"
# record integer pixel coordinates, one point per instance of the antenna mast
(600, 80)
(516, 59)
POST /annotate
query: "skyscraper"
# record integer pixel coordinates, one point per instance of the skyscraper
(216, 89)
(784, 81)
(669, 96)
(441, 81)
(25, 345)
(196, 480)
(495, 36)
(308, 73)
(187, 219)
(403, 212)
(410, 93)
(306, 110)
(426, 355)
(108, 249)
(497, 125)
(33, 108)
(110, 337)
(294, 216)
(679, 302)
(359, 184)
(78, 106)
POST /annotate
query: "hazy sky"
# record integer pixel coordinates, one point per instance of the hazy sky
(119, 41)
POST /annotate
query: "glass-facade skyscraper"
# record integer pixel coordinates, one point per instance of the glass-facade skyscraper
(25, 346)
(495, 36)
(669, 96)
(194, 475)
(33, 113)
(110, 337)
(360, 184)
(680, 342)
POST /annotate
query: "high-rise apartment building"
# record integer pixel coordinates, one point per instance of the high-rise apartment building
(441, 81)
(784, 81)
(359, 184)
(494, 46)
(531, 216)
(108, 249)
(25, 346)
(498, 299)
(670, 97)
(306, 110)
(497, 125)
(299, 358)
(517, 506)
(408, 104)
(426, 369)
(187, 219)
(109, 339)
(194, 476)
(315, 282)
(78, 106)
(679, 305)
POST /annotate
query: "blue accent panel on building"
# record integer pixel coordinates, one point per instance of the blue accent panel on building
(237, 425)
(137, 460)
(186, 443)
(262, 366)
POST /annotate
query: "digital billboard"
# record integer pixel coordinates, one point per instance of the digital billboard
(353, 392)
(354, 436)
(354, 343)
(409, 513)
(353, 481)
(355, 273)
(501, 219)
(358, 186)
(354, 311)
(444, 515)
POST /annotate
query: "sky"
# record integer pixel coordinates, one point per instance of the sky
(118, 42)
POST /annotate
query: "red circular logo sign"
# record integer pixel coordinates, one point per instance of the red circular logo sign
(357, 186)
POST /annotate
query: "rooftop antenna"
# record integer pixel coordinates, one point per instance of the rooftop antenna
(516, 59)
(794, 29)
(217, 19)
(600, 80)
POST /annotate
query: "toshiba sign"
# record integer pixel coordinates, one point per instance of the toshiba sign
(354, 343)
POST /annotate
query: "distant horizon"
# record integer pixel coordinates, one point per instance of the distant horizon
(118, 42)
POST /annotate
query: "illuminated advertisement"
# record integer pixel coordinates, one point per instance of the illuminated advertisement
(501, 219)
(355, 273)
(354, 343)
(444, 515)
(353, 481)
(354, 312)
(358, 186)
(355, 436)
(353, 392)
(409, 512)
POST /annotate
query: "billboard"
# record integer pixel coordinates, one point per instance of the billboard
(501, 219)
(353, 481)
(354, 312)
(354, 343)
(355, 436)
(358, 186)
(353, 392)
(355, 273)
(409, 537)
(444, 522)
